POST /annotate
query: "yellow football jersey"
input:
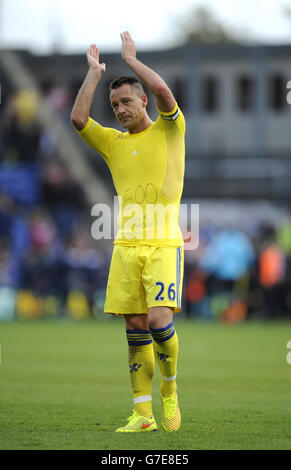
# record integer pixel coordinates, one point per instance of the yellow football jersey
(148, 173)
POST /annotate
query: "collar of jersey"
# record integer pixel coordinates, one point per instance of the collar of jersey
(140, 133)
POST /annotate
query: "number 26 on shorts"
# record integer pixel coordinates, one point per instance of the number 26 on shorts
(171, 291)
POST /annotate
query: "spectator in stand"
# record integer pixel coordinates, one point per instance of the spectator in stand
(41, 263)
(21, 132)
(85, 266)
(64, 198)
(59, 98)
(228, 261)
(14, 227)
(271, 270)
(6, 263)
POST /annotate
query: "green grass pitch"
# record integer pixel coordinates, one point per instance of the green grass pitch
(65, 385)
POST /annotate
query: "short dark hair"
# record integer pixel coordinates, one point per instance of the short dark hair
(130, 80)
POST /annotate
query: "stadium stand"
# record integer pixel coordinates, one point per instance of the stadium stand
(49, 264)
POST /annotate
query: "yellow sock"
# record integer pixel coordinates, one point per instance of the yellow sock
(141, 369)
(166, 352)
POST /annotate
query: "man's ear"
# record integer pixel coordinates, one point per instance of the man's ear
(144, 100)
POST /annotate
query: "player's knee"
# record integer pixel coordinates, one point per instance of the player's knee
(159, 317)
(136, 322)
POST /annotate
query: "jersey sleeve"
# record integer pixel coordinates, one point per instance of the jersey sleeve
(174, 129)
(97, 137)
(174, 117)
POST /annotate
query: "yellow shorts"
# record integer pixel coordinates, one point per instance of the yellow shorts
(141, 277)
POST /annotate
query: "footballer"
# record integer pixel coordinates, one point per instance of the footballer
(145, 278)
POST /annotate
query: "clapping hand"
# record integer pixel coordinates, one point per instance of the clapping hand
(93, 59)
(128, 46)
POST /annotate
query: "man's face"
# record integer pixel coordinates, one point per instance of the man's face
(129, 108)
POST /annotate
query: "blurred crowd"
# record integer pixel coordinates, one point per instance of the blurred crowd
(49, 263)
(238, 273)
(51, 266)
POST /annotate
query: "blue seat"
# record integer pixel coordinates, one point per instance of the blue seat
(21, 182)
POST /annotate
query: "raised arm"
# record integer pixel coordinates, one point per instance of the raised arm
(153, 81)
(82, 105)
